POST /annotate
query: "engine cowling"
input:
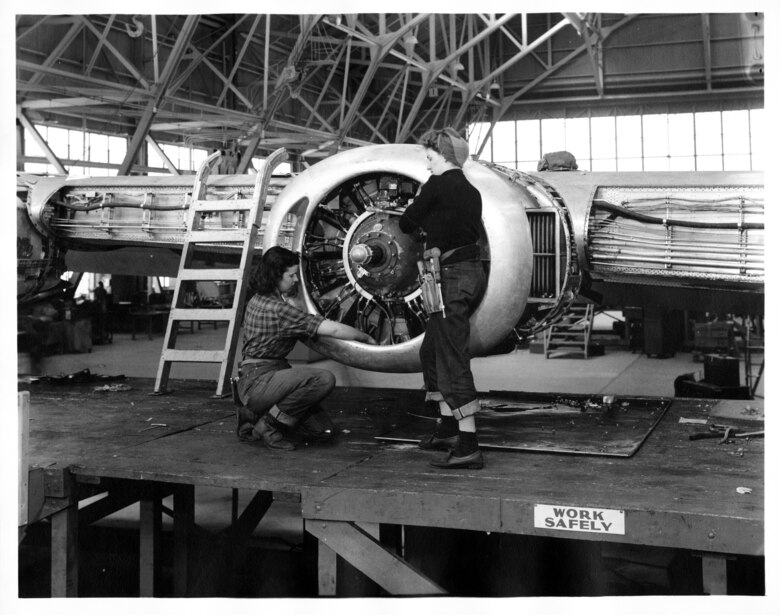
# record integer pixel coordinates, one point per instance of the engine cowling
(342, 215)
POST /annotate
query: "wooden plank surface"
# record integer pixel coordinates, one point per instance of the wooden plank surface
(675, 492)
(682, 492)
(113, 435)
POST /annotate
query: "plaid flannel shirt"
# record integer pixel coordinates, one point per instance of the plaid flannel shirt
(272, 326)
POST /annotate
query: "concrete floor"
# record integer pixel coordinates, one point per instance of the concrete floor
(618, 371)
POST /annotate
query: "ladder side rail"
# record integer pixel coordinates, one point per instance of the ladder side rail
(253, 221)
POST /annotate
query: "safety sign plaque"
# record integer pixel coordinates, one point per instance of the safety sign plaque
(578, 519)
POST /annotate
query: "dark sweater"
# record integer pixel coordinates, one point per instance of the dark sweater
(448, 209)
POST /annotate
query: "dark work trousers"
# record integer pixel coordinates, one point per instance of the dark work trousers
(295, 391)
(445, 348)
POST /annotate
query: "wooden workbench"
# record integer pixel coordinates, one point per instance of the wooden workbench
(357, 493)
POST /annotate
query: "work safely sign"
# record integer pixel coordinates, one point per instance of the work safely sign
(577, 519)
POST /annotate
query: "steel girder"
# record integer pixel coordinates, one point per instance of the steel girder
(319, 83)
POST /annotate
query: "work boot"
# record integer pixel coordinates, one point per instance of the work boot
(444, 437)
(246, 420)
(272, 433)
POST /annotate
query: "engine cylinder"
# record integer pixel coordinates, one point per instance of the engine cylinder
(358, 267)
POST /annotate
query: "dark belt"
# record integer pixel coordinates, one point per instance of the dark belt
(458, 255)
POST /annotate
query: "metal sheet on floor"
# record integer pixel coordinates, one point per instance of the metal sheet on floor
(566, 424)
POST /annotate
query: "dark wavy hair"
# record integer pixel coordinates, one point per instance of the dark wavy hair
(273, 264)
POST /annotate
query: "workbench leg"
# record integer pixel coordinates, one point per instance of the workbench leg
(64, 552)
(327, 563)
(151, 523)
(713, 569)
(183, 524)
(378, 563)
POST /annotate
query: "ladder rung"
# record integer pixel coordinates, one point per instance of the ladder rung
(233, 235)
(193, 356)
(210, 274)
(201, 314)
(222, 205)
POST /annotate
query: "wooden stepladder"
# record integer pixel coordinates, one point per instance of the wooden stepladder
(242, 237)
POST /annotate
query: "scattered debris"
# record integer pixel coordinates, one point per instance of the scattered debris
(744, 490)
(154, 426)
(113, 388)
(693, 421)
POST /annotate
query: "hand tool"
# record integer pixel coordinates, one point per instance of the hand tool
(725, 433)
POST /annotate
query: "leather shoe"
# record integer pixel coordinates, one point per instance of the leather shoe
(438, 443)
(472, 461)
(317, 427)
(272, 437)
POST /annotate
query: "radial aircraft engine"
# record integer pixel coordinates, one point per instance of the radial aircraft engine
(548, 239)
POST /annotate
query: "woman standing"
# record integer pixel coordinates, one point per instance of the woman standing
(448, 209)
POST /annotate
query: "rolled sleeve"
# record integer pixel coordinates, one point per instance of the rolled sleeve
(295, 323)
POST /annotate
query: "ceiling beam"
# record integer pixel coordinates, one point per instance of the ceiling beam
(307, 26)
(116, 53)
(183, 40)
(707, 48)
(60, 48)
(166, 161)
(50, 155)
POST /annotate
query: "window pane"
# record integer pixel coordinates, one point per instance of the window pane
(681, 134)
(37, 167)
(603, 164)
(31, 147)
(154, 158)
(117, 149)
(200, 155)
(57, 138)
(578, 137)
(504, 143)
(757, 132)
(527, 165)
(78, 142)
(657, 163)
(682, 163)
(172, 152)
(709, 163)
(528, 140)
(736, 162)
(602, 130)
(553, 135)
(98, 148)
(629, 137)
(736, 132)
(476, 136)
(655, 135)
(708, 133)
(629, 164)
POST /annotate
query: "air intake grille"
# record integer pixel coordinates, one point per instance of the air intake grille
(549, 252)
